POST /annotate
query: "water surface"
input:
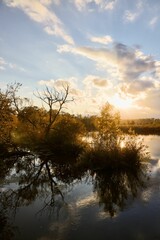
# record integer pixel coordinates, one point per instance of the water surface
(78, 205)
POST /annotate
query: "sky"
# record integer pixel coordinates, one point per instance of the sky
(105, 50)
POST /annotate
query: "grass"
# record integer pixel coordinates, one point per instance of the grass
(130, 152)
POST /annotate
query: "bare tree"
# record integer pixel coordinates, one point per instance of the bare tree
(53, 99)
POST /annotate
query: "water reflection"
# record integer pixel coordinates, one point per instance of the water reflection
(115, 188)
(31, 177)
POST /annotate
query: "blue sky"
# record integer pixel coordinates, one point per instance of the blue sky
(106, 50)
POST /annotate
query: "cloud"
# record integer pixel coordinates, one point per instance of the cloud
(8, 65)
(157, 71)
(137, 88)
(133, 75)
(2, 64)
(88, 98)
(49, 2)
(80, 4)
(153, 21)
(141, 95)
(64, 48)
(110, 5)
(144, 94)
(59, 83)
(103, 40)
(96, 81)
(129, 63)
(16, 67)
(130, 16)
(101, 4)
(46, 2)
(38, 11)
(151, 102)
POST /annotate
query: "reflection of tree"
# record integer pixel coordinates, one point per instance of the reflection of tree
(114, 188)
(40, 177)
(47, 178)
(6, 228)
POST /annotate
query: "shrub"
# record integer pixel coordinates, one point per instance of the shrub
(112, 149)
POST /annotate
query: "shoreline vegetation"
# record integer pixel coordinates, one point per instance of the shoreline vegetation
(143, 130)
(147, 126)
(49, 150)
(49, 131)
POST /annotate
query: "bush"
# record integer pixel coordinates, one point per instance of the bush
(65, 139)
(112, 149)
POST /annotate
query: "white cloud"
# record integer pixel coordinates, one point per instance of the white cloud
(133, 74)
(80, 5)
(101, 4)
(38, 12)
(127, 62)
(137, 88)
(157, 66)
(16, 67)
(2, 68)
(49, 2)
(46, 2)
(130, 16)
(103, 40)
(88, 99)
(153, 21)
(65, 48)
(110, 5)
(140, 4)
(2, 64)
(96, 81)
(59, 82)
(2, 61)
(151, 101)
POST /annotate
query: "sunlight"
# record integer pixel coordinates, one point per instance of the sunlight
(122, 144)
(121, 103)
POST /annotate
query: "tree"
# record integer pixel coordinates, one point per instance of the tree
(53, 100)
(66, 137)
(46, 126)
(30, 127)
(108, 127)
(7, 114)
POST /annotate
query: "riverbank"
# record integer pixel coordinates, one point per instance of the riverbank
(144, 130)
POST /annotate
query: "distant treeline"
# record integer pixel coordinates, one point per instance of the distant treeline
(145, 130)
(141, 126)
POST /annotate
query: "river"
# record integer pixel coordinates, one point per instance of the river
(84, 206)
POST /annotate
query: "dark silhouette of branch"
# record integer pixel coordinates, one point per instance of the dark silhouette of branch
(52, 97)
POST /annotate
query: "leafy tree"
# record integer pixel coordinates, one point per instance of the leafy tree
(36, 125)
(66, 137)
(110, 148)
(7, 115)
(89, 122)
(108, 127)
(30, 127)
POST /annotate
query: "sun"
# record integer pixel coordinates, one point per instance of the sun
(121, 103)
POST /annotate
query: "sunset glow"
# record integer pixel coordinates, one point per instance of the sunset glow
(121, 103)
(102, 49)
